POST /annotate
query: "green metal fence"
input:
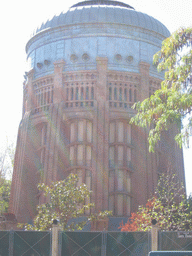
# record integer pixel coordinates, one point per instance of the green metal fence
(35, 243)
(81, 243)
(104, 243)
(130, 243)
(25, 243)
(4, 243)
(174, 241)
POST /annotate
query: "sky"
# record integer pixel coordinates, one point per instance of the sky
(19, 19)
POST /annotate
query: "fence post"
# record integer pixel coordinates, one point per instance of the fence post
(55, 238)
(104, 242)
(11, 242)
(154, 236)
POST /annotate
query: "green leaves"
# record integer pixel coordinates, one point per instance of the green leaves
(5, 188)
(66, 201)
(169, 207)
(173, 102)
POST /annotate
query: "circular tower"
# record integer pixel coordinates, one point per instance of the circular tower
(88, 67)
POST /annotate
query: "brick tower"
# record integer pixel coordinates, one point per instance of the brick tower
(88, 67)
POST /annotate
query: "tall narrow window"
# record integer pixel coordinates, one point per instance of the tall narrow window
(71, 93)
(111, 181)
(120, 94)
(79, 154)
(128, 156)
(44, 135)
(92, 93)
(88, 156)
(120, 155)
(120, 205)
(88, 179)
(72, 132)
(82, 93)
(77, 93)
(115, 93)
(112, 133)
(110, 93)
(111, 203)
(128, 133)
(128, 206)
(135, 95)
(120, 178)
(72, 155)
(128, 182)
(89, 132)
(87, 93)
(49, 97)
(120, 164)
(120, 132)
(80, 131)
(125, 94)
(130, 95)
(111, 157)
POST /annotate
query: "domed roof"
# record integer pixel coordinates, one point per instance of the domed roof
(105, 11)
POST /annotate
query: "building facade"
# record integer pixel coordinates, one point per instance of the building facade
(88, 67)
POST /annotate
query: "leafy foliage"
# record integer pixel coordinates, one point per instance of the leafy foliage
(66, 202)
(5, 189)
(173, 101)
(6, 169)
(170, 208)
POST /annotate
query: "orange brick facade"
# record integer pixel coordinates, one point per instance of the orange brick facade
(43, 147)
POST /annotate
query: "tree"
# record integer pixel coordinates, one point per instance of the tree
(173, 101)
(169, 207)
(6, 169)
(5, 189)
(66, 202)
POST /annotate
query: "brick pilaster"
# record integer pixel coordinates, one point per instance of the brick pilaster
(102, 116)
(58, 80)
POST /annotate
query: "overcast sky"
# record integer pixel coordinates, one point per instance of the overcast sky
(19, 18)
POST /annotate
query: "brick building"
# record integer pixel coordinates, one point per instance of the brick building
(88, 67)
